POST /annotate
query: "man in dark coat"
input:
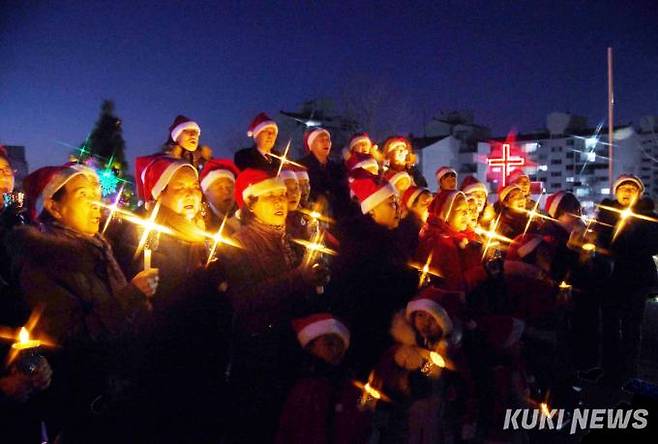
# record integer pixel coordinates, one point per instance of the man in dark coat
(371, 278)
(264, 131)
(632, 243)
(328, 179)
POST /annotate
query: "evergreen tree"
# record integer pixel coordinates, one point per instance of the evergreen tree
(106, 140)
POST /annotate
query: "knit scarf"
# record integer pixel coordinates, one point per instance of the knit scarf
(273, 237)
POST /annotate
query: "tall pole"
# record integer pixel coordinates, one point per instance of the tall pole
(611, 103)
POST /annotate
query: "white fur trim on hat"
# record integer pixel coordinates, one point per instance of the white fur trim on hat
(399, 176)
(167, 175)
(59, 180)
(261, 126)
(477, 186)
(324, 327)
(359, 140)
(288, 175)
(435, 310)
(314, 135)
(367, 163)
(414, 196)
(443, 171)
(555, 203)
(178, 129)
(214, 175)
(378, 197)
(505, 191)
(628, 178)
(262, 187)
(302, 175)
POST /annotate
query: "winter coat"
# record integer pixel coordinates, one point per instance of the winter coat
(327, 182)
(434, 402)
(455, 256)
(266, 291)
(512, 224)
(323, 408)
(89, 311)
(177, 255)
(634, 268)
(252, 158)
(408, 233)
(371, 280)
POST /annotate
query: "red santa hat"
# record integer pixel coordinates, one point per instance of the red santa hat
(153, 174)
(411, 194)
(215, 169)
(553, 201)
(363, 161)
(442, 171)
(504, 192)
(523, 245)
(182, 123)
(370, 190)
(516, 174)
(312, 134)
(358, 138)
(441, 304)
(628, 178)
(394, 141)
(395, 176)
(260, 122)
(471, 184)
(288, 174)
(320, 324)
(43, 183)
(252, 183)
(441, 206)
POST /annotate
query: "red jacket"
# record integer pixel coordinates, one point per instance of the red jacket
(322, 411)
(455, 256)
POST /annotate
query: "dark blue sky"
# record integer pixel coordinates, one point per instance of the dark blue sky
(221, 63)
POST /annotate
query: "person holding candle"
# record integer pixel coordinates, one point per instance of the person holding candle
(511, 208)
(472, 187)
(399, 157)
(632, 243)
(267, 283)
(322, 406)
(415, 202)
(426, 372)
(90, 310)
(264, 131)
(217, 181)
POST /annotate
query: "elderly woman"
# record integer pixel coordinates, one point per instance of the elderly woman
(268, 283)
(90, 310)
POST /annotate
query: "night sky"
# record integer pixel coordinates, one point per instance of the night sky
(221, 63)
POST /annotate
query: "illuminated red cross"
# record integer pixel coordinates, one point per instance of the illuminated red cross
(506, 161)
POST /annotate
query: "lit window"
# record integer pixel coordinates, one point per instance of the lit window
(591, 142)
(530, 147)
(571, 179)
(605, 190)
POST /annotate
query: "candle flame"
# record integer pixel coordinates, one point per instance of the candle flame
(437, 359)
(545, 409)
(624, 215)
(371, 391)
(23, 336)
(589, 246)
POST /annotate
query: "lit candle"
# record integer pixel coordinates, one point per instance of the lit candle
(147, 258)
(24, 341)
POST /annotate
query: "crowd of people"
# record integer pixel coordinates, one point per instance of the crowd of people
(327, 299)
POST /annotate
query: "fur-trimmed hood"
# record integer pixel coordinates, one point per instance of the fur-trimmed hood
(403, 332)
